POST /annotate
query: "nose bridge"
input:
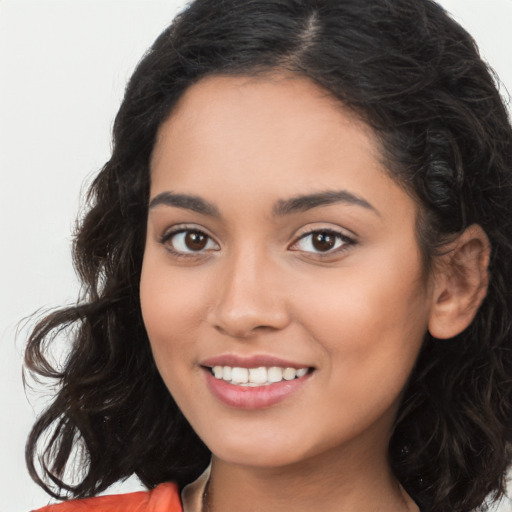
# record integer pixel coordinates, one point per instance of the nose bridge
(248, 296)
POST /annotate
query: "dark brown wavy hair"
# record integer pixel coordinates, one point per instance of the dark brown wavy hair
(414, 76)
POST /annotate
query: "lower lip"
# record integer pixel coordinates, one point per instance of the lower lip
(245, 397)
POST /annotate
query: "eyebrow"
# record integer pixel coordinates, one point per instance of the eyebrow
(307, 202)
(282, 207)
(185, 201)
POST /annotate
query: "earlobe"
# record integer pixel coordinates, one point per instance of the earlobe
(460, 283)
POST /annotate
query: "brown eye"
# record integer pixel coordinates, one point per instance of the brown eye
(187, 241)
(195, 241)
(323, 241)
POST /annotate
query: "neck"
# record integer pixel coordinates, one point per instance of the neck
(338, 482)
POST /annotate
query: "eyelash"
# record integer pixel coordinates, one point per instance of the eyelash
(169, 235)
(346, 242)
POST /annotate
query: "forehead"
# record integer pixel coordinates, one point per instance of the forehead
(238, 115)
(266, 137)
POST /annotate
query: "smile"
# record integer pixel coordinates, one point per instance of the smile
(253, 377)
(255, 382)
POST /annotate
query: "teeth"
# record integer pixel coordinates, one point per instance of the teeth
(275, 374)
(239, 375)
(252, 377)
(301, 372)
(258, 375)
(289, 373)
(226, 372)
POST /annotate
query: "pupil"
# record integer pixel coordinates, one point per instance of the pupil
(195, 241)
(323, 241)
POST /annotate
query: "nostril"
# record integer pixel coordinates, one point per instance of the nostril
(244, 322)
(243, 332)
(247, 299)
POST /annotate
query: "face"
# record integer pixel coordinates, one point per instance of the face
(282, 286)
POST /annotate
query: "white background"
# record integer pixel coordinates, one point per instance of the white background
(63, 67)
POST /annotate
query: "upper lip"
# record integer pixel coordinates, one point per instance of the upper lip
(253, 361)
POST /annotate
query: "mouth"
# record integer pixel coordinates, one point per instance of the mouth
(254, 382)
(259, 376)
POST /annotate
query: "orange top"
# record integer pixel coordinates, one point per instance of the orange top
(164, 498)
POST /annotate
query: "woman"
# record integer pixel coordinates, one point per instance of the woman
(295, 268)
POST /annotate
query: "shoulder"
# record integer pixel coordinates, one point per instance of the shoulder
(165, 497)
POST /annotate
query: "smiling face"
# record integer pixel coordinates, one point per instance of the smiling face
(276, 240)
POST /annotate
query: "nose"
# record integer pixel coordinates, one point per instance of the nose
(250, 297)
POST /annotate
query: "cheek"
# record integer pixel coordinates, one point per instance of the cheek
(370, 315)
(172, 306)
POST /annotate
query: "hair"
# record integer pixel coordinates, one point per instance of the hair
(415, 77)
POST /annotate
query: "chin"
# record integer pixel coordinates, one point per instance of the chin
(251, 450)
(258, 458)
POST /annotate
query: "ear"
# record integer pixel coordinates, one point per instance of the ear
(460, 283)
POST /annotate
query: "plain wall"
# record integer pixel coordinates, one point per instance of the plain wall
(63, 68)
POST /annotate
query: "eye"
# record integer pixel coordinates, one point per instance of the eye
(322, 242)
(188, 241)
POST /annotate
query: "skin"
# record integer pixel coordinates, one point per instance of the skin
(356, 315)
